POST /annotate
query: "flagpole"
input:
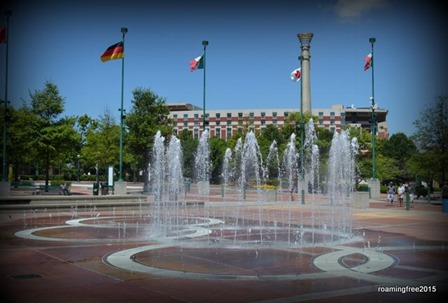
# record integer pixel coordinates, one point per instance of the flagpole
(204, 43)
(8, 13)
(124, 30)
(372, 65)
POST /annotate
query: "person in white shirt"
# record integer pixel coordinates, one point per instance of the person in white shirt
(400, 192)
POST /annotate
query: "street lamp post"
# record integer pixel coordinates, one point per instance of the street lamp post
(4, 183)
(204, 43)
(372, 41)
(8, 13)
(302, 138)
(79, 169)
(124, 30)
(305, 97)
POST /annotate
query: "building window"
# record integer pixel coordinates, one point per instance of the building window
(263, 114)
(332, 115)
(229, 132)
(218, 132)
(240, 115)
(229, 115)
(185, 123)
(251, 115)
(175, 116)
(321, 114)
(263, 122)
(218, 115)
(196, 123)
(218, 122)
(229, 122)
(286, 114)
(196, 133)
(196, 116)
(274, 114)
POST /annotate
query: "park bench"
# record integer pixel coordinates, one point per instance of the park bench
(52, 189)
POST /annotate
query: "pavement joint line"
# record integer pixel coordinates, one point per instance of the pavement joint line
(77, 265)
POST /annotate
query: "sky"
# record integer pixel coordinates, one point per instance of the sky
(253, 48)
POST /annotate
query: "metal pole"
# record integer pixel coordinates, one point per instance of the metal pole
(124, 30)
(204, 43)
(372, 41)
(302, 136)
(305, 96)
(408, 199)
(5, 114)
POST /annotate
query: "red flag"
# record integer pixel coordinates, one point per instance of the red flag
(296, 74)
(368, 60)
(113, 52)
(2, 34)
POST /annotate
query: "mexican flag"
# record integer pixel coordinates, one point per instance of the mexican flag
(197, 63)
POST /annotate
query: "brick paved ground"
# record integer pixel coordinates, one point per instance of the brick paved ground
(42, 259)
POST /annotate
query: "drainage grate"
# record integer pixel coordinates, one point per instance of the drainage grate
(27, 276)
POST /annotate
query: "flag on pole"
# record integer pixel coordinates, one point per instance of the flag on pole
(369, 62)
(113, 52)
(2, 34)
(197, 63)
(296, 74)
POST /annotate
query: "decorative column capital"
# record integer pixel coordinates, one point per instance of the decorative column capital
(305, 39)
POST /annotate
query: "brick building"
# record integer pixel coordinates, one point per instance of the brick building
(227, 122)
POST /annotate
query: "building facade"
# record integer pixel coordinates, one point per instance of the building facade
(227, 123)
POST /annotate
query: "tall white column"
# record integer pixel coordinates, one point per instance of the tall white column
(305, 44)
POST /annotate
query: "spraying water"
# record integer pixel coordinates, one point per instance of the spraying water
(249, 220)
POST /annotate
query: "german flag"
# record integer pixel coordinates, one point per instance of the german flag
(113, 52)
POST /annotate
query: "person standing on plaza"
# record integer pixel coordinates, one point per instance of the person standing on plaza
(411, 190)
(400, 192)
(390, 193)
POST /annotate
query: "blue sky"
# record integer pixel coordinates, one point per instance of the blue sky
(253, 48)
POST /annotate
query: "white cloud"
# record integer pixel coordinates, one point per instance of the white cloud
(355, 9)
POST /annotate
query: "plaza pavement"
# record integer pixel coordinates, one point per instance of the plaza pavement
(402, 256)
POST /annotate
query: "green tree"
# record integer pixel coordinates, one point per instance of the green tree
(20, 139)
(82, 125)
(189, 147)
(268, 135)
(102, 142)
(148, 115)
(324, 138)
(218, 148)
(52, 136)
(431, 138)
(400, 149)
